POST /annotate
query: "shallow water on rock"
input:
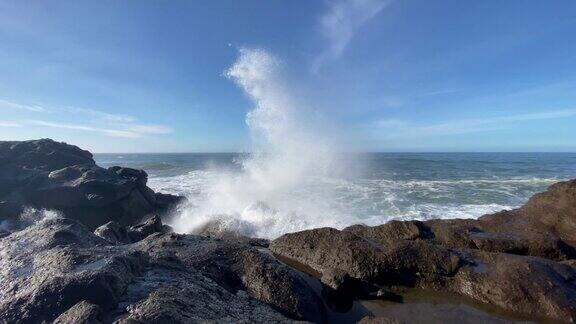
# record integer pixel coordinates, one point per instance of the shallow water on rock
(422, 306)
(413, 305)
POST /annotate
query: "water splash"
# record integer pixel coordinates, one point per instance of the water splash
(28, 217)
(264, 199)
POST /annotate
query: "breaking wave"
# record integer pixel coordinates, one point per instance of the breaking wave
(357, 201)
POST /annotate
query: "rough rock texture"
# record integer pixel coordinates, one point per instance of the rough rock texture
(117, 234)
(545, 227)
(378, 320)
(56, 269)
(189, 297)
(51, 266)
(113, 233)
(45, 174)
(237, 266)
(82, 313)
(215, 229)
(520, 260)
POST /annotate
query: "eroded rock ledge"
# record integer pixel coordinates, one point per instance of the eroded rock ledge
(58, 270)
(520, 260)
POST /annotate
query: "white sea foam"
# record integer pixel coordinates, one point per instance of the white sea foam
(28, 217)
(339, 202)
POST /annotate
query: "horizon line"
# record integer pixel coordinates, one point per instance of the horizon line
(358, 152)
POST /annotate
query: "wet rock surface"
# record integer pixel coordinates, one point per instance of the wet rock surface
(84, 312)
(57, 270)
(52, 265)
(45, 174)
(118, 234)
(519, 260)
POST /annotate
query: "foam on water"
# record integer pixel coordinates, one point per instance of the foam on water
(340, 202)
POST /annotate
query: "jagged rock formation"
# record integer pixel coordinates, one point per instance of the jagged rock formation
(49, 175)
(58, 270)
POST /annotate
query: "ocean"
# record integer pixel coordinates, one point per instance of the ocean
(369, 188)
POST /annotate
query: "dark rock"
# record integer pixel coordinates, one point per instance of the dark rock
(9, 210)
(56, 269)
(496, 278)
(48, 175)
(335, 279)
(166, 202)
(238, 266)
(43, 154)
(392, 231)
(55, 264)
(82, 313)
(116, 234)
(280, 286)
(402, 262)
(523, 284)
(327, 249)
(340, 289)
(138, 176)
(113, 233)
(571, 263)
(555, 210)
(378, 320)
(189, 297)
(141, 231)
(215, 229)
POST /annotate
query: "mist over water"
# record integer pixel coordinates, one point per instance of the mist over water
(263, 198)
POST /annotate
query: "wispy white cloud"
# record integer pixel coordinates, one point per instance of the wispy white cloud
(149, 129)
(105, 116)
(105, 131)
(100, 114)
(395, 128)
(97, 121)
(341, 21)
(14, 105)
(10, 124)
(127, 131)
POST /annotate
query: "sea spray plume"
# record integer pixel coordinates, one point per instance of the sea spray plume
(287, 150)
(266, 199)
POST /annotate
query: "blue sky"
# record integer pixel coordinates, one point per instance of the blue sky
(403, 75)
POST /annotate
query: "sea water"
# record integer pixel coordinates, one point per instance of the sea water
(389, 186)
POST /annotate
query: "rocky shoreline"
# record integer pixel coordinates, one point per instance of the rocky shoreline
(108, 258)
(44, 174)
